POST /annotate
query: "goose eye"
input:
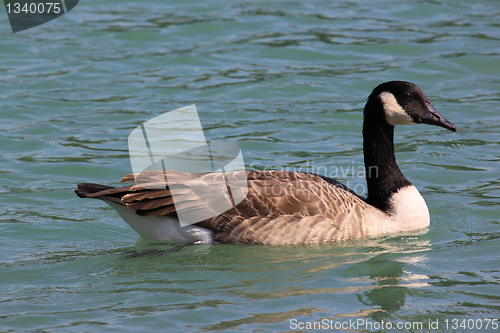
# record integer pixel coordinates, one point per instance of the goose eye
(407, 95)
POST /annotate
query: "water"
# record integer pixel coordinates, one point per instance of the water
(287, 81)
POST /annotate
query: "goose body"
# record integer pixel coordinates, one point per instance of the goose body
(285, 207)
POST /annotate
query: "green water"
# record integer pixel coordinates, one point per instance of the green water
(287, 81)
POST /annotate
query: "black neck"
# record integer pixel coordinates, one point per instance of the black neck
(383, 176)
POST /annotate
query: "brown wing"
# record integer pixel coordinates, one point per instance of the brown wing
(152, 196)
(280, 207)
(289, 208)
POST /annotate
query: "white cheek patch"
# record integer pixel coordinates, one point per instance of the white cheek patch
(394, 113)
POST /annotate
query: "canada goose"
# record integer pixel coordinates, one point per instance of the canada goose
(309, 208)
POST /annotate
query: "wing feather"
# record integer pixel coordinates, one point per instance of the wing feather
(280, 206)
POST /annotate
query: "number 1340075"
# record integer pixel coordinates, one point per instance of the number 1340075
(34, 8)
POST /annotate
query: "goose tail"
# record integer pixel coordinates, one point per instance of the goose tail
(102, 192)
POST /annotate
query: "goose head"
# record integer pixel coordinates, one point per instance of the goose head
(390, 104)
(403, 103)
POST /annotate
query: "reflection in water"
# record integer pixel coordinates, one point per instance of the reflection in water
(387, 271)
(390, 297)
(374, 272)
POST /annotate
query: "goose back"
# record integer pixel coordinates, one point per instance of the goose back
(280, 207)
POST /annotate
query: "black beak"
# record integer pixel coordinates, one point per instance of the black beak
(434, 118)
